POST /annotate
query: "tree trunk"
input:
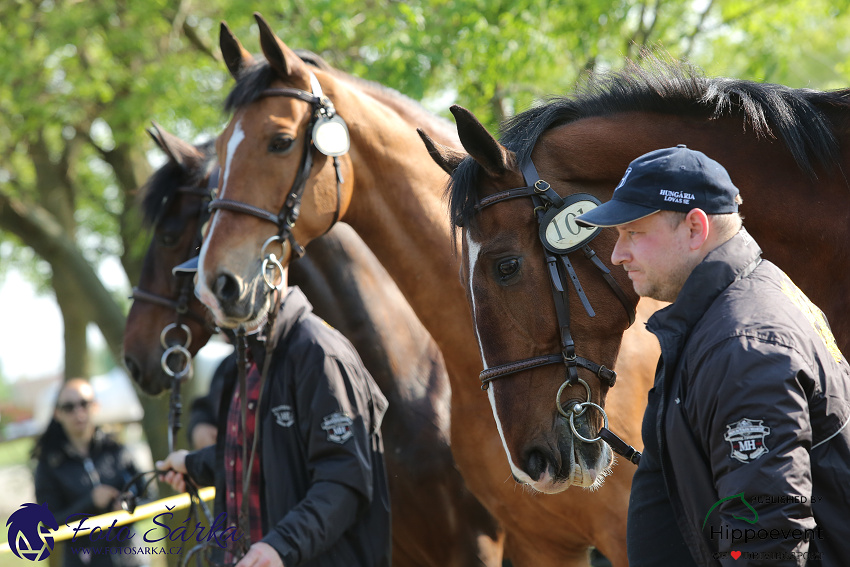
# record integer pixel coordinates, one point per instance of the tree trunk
(132, 170)
(75, 319)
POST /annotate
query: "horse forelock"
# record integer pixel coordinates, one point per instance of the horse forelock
(165, 181)
(461, 191)
(667, 86)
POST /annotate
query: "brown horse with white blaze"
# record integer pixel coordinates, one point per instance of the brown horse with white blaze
(278, 168)
(540, 318)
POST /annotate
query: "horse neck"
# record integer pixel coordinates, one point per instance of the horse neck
(397, 209)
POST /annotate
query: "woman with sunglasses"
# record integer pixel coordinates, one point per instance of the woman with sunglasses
(81, 472)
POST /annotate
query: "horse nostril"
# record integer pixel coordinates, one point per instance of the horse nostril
(132, 368)
(536, 464)
(226, 287)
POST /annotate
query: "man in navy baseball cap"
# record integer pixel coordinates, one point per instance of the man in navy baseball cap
(670, 179)
(748, 362)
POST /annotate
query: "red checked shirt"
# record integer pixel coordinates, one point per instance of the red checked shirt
(233, 457)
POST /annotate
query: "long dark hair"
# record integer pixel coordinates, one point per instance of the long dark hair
(53, 439)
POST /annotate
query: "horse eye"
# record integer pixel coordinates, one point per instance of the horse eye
(168, 238)
(281, 144)
(508, 268)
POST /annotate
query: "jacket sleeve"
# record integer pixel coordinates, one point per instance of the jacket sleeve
(757, 435)
(333, 415)
(200, 465)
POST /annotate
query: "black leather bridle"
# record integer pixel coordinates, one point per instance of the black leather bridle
(323, 112)
(548, 207)
(181, 305)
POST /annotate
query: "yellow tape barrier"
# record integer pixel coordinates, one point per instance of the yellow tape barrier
(122, 518)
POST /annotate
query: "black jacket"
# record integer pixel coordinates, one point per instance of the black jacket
(325, 500)
(63, 480)
(755, 402)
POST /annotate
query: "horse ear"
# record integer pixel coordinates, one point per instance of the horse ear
(236, 57)
(446, 157)
(282, 59)
(495, 158)
(182, 153)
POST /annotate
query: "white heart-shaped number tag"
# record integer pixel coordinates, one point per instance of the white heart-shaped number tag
(330, 136)
(558, 229)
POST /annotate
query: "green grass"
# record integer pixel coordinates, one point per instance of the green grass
(15, 452)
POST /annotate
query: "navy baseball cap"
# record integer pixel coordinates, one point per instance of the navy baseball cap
(670, 179)
(187, 268)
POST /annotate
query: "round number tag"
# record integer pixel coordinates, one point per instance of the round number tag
(558, 229)
(330, 135)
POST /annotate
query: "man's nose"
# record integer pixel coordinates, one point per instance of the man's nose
(619, 255)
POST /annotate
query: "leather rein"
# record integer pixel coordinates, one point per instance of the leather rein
(548, 205)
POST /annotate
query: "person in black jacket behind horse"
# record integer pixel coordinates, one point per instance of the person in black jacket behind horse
(80, 472)
(318, 488)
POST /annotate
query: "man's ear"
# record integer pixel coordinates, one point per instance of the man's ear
(699, 228)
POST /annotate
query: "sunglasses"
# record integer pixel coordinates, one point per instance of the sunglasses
(69, 407)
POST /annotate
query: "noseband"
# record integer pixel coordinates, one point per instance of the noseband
(551, 209)
(323, 112)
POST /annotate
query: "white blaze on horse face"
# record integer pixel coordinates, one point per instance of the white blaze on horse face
(473, 250)
(202, 290)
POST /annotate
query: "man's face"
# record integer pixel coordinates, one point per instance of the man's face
(656, 255)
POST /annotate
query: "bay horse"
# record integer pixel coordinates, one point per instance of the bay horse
(277, 170)
(436, 520)
(787, 150)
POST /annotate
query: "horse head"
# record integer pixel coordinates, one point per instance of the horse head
(167, 324)
(284, 159)
(541, 358)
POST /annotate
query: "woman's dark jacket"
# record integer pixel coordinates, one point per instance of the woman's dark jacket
(65, 481)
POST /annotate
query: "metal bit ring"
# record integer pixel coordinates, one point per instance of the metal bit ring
(163, 336)
(187, 366)
(558, 405)
(579, 412)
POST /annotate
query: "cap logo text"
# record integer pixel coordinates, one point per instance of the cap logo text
(676, 197)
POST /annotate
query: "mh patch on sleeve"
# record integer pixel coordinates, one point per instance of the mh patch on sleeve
(283, 415)
(747, 439)
(338, 425)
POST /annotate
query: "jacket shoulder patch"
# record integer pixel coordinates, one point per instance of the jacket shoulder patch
(746, 438)
(338, 425)
(283, 415)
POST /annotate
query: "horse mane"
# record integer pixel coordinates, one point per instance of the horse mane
(667, 86)
(165, 181)
(257, 78)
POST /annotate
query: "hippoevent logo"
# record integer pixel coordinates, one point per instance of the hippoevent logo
(745, 535)
(29, 529)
